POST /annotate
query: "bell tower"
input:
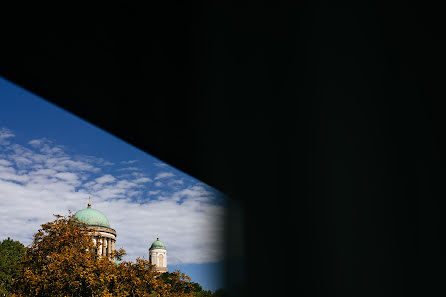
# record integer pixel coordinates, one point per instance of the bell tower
(158, 255)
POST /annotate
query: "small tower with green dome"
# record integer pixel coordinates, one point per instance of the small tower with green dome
(158, 255)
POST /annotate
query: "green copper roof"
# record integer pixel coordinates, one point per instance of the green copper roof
(157, 244)
(92, 217)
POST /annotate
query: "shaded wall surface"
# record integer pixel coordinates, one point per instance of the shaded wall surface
(325, 119)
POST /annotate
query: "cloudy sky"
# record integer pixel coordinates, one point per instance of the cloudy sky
(52, 161)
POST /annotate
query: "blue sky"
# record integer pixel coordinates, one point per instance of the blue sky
(51, 161)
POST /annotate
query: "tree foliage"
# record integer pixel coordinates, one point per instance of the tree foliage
(179, 282)
(11, 252)
(61, 262)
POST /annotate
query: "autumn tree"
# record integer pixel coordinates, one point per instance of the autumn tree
(179, 282)
(11, 252)
(62, 262)
(141, 279)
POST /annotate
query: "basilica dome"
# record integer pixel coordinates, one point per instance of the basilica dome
(92, 217)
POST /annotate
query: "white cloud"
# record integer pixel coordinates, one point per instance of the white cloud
(68, 177)
(128, 168)
(46, 146)
(21, 161)
(5, 162)
(36, 183)
(164, 175)
(105, 179)
(176, 183)
(4, 135)
(94, 160)
(10, 174)
(191, 230)
(142, 180)
(129, 162)
(35, 142)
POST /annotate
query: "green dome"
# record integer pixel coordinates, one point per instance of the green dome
(92, 217)
(157, 244)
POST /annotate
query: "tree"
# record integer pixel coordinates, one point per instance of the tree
(203, 294)
(11, 252)
(61, 262)
(220, 293)
(179, 282)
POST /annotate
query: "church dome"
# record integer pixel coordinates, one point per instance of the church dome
(92, 217)
(157, 244)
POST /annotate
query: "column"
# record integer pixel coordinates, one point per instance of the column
(108, 247)
(164, 260)
(95, 240)
(105, 246)
(100, 247)
(104, 242)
